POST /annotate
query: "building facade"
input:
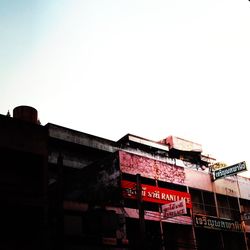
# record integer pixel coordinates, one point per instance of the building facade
(65, 189)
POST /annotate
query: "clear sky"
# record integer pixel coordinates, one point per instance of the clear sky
(152, 68)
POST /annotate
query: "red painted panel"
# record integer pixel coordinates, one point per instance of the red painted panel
(154, 194)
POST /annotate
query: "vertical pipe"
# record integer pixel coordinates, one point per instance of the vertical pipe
(193, 229)
(161, 227)
(242, 221)
(141, 212)
(59, 205)
(218, 215)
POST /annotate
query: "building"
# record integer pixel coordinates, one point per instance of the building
(64, 189)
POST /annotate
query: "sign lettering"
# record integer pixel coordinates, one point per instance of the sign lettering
(231, 170)
(246, 216)
(155, 194)
(217, 223)
(174, 209)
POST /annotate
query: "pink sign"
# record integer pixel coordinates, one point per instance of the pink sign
(150, 168)
(174, 209)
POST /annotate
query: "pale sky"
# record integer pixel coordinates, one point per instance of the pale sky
(147, 67)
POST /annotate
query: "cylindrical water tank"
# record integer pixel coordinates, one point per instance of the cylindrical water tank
(25, 113)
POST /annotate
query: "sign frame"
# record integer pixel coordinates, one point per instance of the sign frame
(215, 223)
(174, 209)
(154, 194)
(229, 170)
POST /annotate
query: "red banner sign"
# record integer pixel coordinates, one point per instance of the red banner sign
(154, 194)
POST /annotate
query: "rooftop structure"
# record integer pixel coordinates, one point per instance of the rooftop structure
(73, 190)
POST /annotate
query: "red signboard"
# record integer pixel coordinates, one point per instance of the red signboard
(154, 194)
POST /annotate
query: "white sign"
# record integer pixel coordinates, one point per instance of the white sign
(174, 209)
(246, 216)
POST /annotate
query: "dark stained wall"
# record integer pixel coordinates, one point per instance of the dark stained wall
(23, 184)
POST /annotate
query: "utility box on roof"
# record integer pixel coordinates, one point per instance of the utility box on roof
(182, 145)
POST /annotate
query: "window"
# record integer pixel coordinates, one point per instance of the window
(203, 202)
(228, 207)
(245, 209)
(172, 186)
